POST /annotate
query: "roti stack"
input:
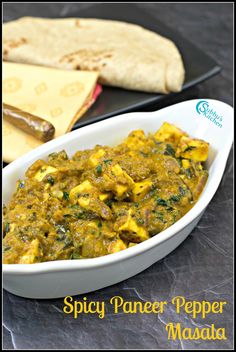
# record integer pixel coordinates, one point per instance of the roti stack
(125, 55)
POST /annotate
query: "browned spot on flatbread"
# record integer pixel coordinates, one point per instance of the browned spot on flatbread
(78, 24)
(88, 59)
(14, 43)
(9, 44)
(71, 59)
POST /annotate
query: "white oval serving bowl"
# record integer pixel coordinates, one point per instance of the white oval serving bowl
(71, 277)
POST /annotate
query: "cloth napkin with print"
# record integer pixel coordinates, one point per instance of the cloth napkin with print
(58, 96)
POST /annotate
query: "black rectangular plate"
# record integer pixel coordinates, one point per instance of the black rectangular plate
(198, 65)
(113, 101)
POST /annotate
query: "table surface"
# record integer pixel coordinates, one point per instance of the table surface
(201, 268)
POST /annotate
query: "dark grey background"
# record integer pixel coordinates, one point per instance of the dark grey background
(200, 269)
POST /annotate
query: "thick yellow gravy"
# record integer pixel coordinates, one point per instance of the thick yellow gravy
(105, 199)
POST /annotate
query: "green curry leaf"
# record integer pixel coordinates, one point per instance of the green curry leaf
(66, 195)
(99, 169)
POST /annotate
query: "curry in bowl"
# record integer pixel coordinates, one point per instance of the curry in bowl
(103, 200)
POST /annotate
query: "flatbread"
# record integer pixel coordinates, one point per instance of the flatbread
(124, 54)
(58, 96)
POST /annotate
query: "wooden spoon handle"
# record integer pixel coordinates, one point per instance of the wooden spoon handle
(34, 125)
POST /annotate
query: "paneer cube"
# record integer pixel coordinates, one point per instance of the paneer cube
(137, 233)
(141, 189)
(117, 171)
(186, 163)
(116, 246)
(84, 187)
(92, 225)
(84, 202)
(194, 149)
(43, 171)
(104, 196)
(87, 187)
(169, 133)
(92, 247)
(94, 158)
(120, 188)
(136, 139)
(33, 254)
(96, 206)
(138, 134)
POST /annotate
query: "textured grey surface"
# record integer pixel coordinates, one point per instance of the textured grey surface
(200, 269)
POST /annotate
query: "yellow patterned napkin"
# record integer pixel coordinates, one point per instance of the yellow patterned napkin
(59, 96)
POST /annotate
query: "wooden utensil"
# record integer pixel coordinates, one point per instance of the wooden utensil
(34, 125)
